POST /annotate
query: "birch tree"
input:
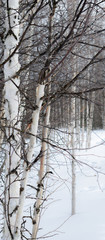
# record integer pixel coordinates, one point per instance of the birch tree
(14, 209)
(12, 103)
(42, 174)
(48, 60)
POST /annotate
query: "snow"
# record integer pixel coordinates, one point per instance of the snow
(89, 221)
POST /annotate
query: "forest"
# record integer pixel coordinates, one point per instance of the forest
(52, 119)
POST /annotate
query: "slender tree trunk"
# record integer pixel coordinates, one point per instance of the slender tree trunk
(73, 187)
(77, 122)
(73, 154)
(90, 123)
(71, 144)
(2, 120)
(12, 102)
(31, 150)
(83, 122)
(103, 114)
(39, 195)
(87, 122)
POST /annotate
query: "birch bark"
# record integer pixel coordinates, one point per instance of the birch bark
(11, 106)
(83, 122)
(103, 115)
(39, 196)
(31, 150)
(2, 121)
(73, 154)
(90, 123)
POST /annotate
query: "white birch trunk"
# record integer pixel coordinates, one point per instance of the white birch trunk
(90, 120)
(2, 122)
(73, 155)
(71, 144)
(39, 197)
(87, 123)
(73, 210)
(11, 107)
(88, 108)
(31, 150)
(83, 122)
(78, 122)
(103, 115)
(73, 137)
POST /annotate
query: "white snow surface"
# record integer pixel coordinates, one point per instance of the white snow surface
(89, 221)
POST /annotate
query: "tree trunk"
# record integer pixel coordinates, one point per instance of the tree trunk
(103, 114)
(11, 106)
(40, 186)
(73, 154)
(31, 150)
(90, 120)
(39, 196)
(2, 120)
(83, 122)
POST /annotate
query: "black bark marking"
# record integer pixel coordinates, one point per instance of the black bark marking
(21, 189)
(15, 209)
(10, 32)
(34, 222)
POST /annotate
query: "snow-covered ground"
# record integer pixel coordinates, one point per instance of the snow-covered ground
(89, 221)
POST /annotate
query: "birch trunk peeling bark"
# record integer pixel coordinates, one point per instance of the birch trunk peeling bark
(11, 106)
(32, 144)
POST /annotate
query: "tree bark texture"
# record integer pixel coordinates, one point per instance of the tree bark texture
(11, 106)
